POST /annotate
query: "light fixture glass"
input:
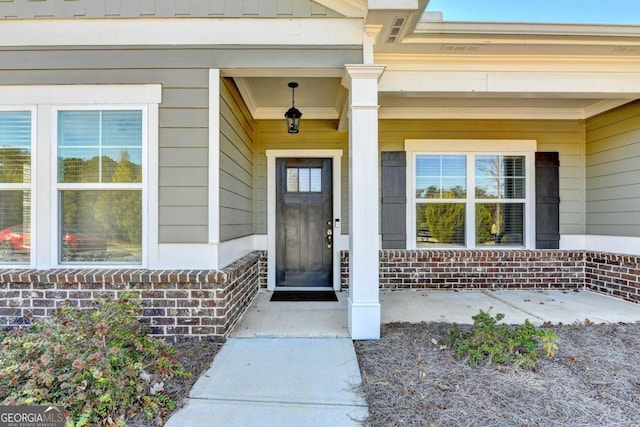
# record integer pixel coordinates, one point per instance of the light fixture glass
(293, 115)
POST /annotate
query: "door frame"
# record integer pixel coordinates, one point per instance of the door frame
(336, 160)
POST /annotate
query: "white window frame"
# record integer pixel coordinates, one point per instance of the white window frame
(45, 100)
(56, 187)
(28, 186)
(471, 148)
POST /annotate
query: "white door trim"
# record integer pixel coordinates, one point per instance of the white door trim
(272, 155)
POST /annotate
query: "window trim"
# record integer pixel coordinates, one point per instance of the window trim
(34, 176)
(470, 148)
(57, 188)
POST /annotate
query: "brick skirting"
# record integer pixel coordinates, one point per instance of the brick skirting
(199, 304)
(613, 274)
(206, 304)
(616, 275)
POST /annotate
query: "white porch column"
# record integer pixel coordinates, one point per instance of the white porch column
(364, 301)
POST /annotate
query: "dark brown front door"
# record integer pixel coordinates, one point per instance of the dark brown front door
(304, 218)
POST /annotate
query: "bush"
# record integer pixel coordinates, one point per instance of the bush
(499, 344)
(100, 365)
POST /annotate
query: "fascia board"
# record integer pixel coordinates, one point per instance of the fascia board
(182, 32)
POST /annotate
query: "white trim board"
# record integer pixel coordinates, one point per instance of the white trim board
(613, 244)
(214, 155)
(182, 32)
(272, 155)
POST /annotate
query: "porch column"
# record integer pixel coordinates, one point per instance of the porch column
(364, 301)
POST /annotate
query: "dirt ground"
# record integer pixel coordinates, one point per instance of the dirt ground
(594, 380)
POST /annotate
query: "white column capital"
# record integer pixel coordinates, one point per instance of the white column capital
(361, 71)
(371, 35)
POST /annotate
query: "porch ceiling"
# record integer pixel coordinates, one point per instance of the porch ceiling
(324, 97)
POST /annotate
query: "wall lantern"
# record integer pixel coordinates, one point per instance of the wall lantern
(293, 115)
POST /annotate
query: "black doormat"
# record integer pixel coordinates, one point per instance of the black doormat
(304, 296)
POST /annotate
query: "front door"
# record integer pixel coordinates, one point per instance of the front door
(304, 223)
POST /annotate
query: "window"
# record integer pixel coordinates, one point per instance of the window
(15, 186)
(90, 171)
(471, 199)
(99, 186)
(304, 180)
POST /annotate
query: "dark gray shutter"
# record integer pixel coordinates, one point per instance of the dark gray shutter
(547, 200)
(394, 200)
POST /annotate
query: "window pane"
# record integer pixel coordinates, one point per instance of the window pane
(316, 180)
(101, 226)
(500, 177)
(15, 147)
(303, 180)
(122, 128)
(292, 180)
(15, 226)
(440, 177)
(78, 128)
(500, 224)
(440, 224)
(99, 146)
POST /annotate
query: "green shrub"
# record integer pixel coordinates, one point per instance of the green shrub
(498, 344)
(100, 365)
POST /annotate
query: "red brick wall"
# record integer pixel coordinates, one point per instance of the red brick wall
(613, 274)
(616, 275)
(200, 304)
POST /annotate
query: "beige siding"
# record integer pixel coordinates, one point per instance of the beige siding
(183, 134)
(236, 164)
(566, 137)
(314, 134)
(613, 172)
(28, 9)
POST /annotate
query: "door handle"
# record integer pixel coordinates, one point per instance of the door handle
(329, 238)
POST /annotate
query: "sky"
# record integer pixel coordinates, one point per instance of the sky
(540, 11)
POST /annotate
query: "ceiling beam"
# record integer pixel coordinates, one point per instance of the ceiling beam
(545, 83)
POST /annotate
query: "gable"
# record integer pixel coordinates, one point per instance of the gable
(22, 9)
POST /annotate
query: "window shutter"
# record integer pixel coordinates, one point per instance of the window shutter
(547, 200)
(394, 200)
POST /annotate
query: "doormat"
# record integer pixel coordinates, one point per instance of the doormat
(304, 296)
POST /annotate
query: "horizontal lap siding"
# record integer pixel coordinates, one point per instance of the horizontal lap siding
(314, 134)
(183, 134)
(613, 172)
(23, 9)
(565, 137)
(236, 164)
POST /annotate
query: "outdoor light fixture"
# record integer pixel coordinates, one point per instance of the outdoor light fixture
(293, 115)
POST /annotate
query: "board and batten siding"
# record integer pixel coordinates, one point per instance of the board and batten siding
(236, 164)
(183, 134)
(315, 135)
(613, 172)
(69, 9)
(565, 137)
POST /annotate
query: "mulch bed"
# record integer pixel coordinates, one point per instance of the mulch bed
(196, 357)
(594, 380)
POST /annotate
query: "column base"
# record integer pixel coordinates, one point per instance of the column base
(364, 320)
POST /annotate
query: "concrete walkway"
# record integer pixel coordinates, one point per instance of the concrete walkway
(277, 382)
(292, 363)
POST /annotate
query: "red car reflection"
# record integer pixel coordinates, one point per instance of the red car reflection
(17, 238)
(80, 242)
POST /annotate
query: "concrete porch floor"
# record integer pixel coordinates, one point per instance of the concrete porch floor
(329, 319)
